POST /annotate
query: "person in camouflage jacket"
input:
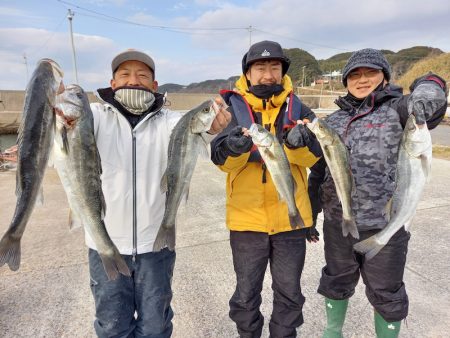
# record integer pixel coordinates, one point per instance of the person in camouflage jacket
(370, 121)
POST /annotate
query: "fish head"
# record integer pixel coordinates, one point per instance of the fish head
(58, 73)
(70, 103)
(203, 117)
(416, 137)
(261, 137)
(324, 133)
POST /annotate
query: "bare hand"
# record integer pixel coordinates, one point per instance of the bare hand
(223, 116)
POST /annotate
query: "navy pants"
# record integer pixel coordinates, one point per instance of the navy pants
(147, 293)
(382, 275)
(252, 251)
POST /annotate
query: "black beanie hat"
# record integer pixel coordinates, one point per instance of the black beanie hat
(265, 50)
(370, 58)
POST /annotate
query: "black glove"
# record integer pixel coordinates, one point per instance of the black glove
(301, 136)
(426, 98)
(312, 235)
(237, 142)
(297, 137)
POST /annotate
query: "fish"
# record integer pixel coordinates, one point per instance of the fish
(412, 173)
(34, 143)
(279, 168)
(77, 161)
(186, 143)
(337, 158)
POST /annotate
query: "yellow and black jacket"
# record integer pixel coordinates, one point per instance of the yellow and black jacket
(252, 199)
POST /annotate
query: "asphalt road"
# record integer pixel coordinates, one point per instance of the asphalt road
(49, 295)
(441, 135)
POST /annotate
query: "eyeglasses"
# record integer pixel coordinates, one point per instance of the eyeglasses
(367, 74)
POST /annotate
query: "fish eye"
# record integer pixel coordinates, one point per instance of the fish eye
(206, 109)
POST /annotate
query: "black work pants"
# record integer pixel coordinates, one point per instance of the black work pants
(382, 275)
(252, 251)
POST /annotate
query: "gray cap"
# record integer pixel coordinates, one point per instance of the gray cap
(132, 55)
(370, 58)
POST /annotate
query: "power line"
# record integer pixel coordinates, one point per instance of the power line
(153, 26)
(190, 30)
(36, 50)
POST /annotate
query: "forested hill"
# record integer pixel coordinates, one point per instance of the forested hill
(305, 68)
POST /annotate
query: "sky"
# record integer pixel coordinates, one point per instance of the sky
(193, 41)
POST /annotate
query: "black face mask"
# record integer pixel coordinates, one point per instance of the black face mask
(266, 91)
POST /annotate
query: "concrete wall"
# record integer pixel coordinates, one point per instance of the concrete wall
(11, 105)
(12, 101)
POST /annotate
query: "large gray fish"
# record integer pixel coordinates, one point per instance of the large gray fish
(34, 145)
(336, 155)
(186, 143)
(279, 168)
(77, 161)
(413, 171)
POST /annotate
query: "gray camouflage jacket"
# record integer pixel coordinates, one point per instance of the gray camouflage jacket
(372, 132)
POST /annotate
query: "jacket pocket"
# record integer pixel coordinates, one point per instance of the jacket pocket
(245, 187)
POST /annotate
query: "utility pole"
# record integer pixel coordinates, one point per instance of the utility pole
(26, 63)
(70, 15)
(303, 75)
(250, 29)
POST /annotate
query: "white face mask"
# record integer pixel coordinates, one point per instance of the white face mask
(135, 100)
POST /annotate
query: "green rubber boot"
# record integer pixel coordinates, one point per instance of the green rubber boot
(385, 329)
(336, 310)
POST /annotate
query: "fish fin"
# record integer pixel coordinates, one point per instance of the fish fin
(349, 227)
(370, 247)
(74, 220)
(270, 155)
(65, 141)
(10, 252)
(203, 150)
(426, 165)
(40, 197)
(408, 223)
(165, 238)
(296, 221)
(114, 265)
(387, 210)
(51, 158)
(186, 195)
(163, 184)
(103, 206)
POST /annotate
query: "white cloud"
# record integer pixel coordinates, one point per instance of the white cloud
(199, 55)
(93, 53)
(344, 25)
(146, 19)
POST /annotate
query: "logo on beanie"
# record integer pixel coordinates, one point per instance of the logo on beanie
(265, 53)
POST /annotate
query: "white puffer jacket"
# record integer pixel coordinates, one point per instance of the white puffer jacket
(133, 162)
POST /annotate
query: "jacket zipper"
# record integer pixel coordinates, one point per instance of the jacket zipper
(134, 199)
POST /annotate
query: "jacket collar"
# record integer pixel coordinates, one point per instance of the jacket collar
(378, 97)
(258, 104)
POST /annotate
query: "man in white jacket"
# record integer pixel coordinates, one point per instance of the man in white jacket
(132, 131)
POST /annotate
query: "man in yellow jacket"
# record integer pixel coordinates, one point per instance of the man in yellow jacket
(260, 231)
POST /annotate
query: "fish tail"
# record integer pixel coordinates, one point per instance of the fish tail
(370, 247)
(10, 252)
(165, 238)
(114, 265)
(349, 227)
(296, 220)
